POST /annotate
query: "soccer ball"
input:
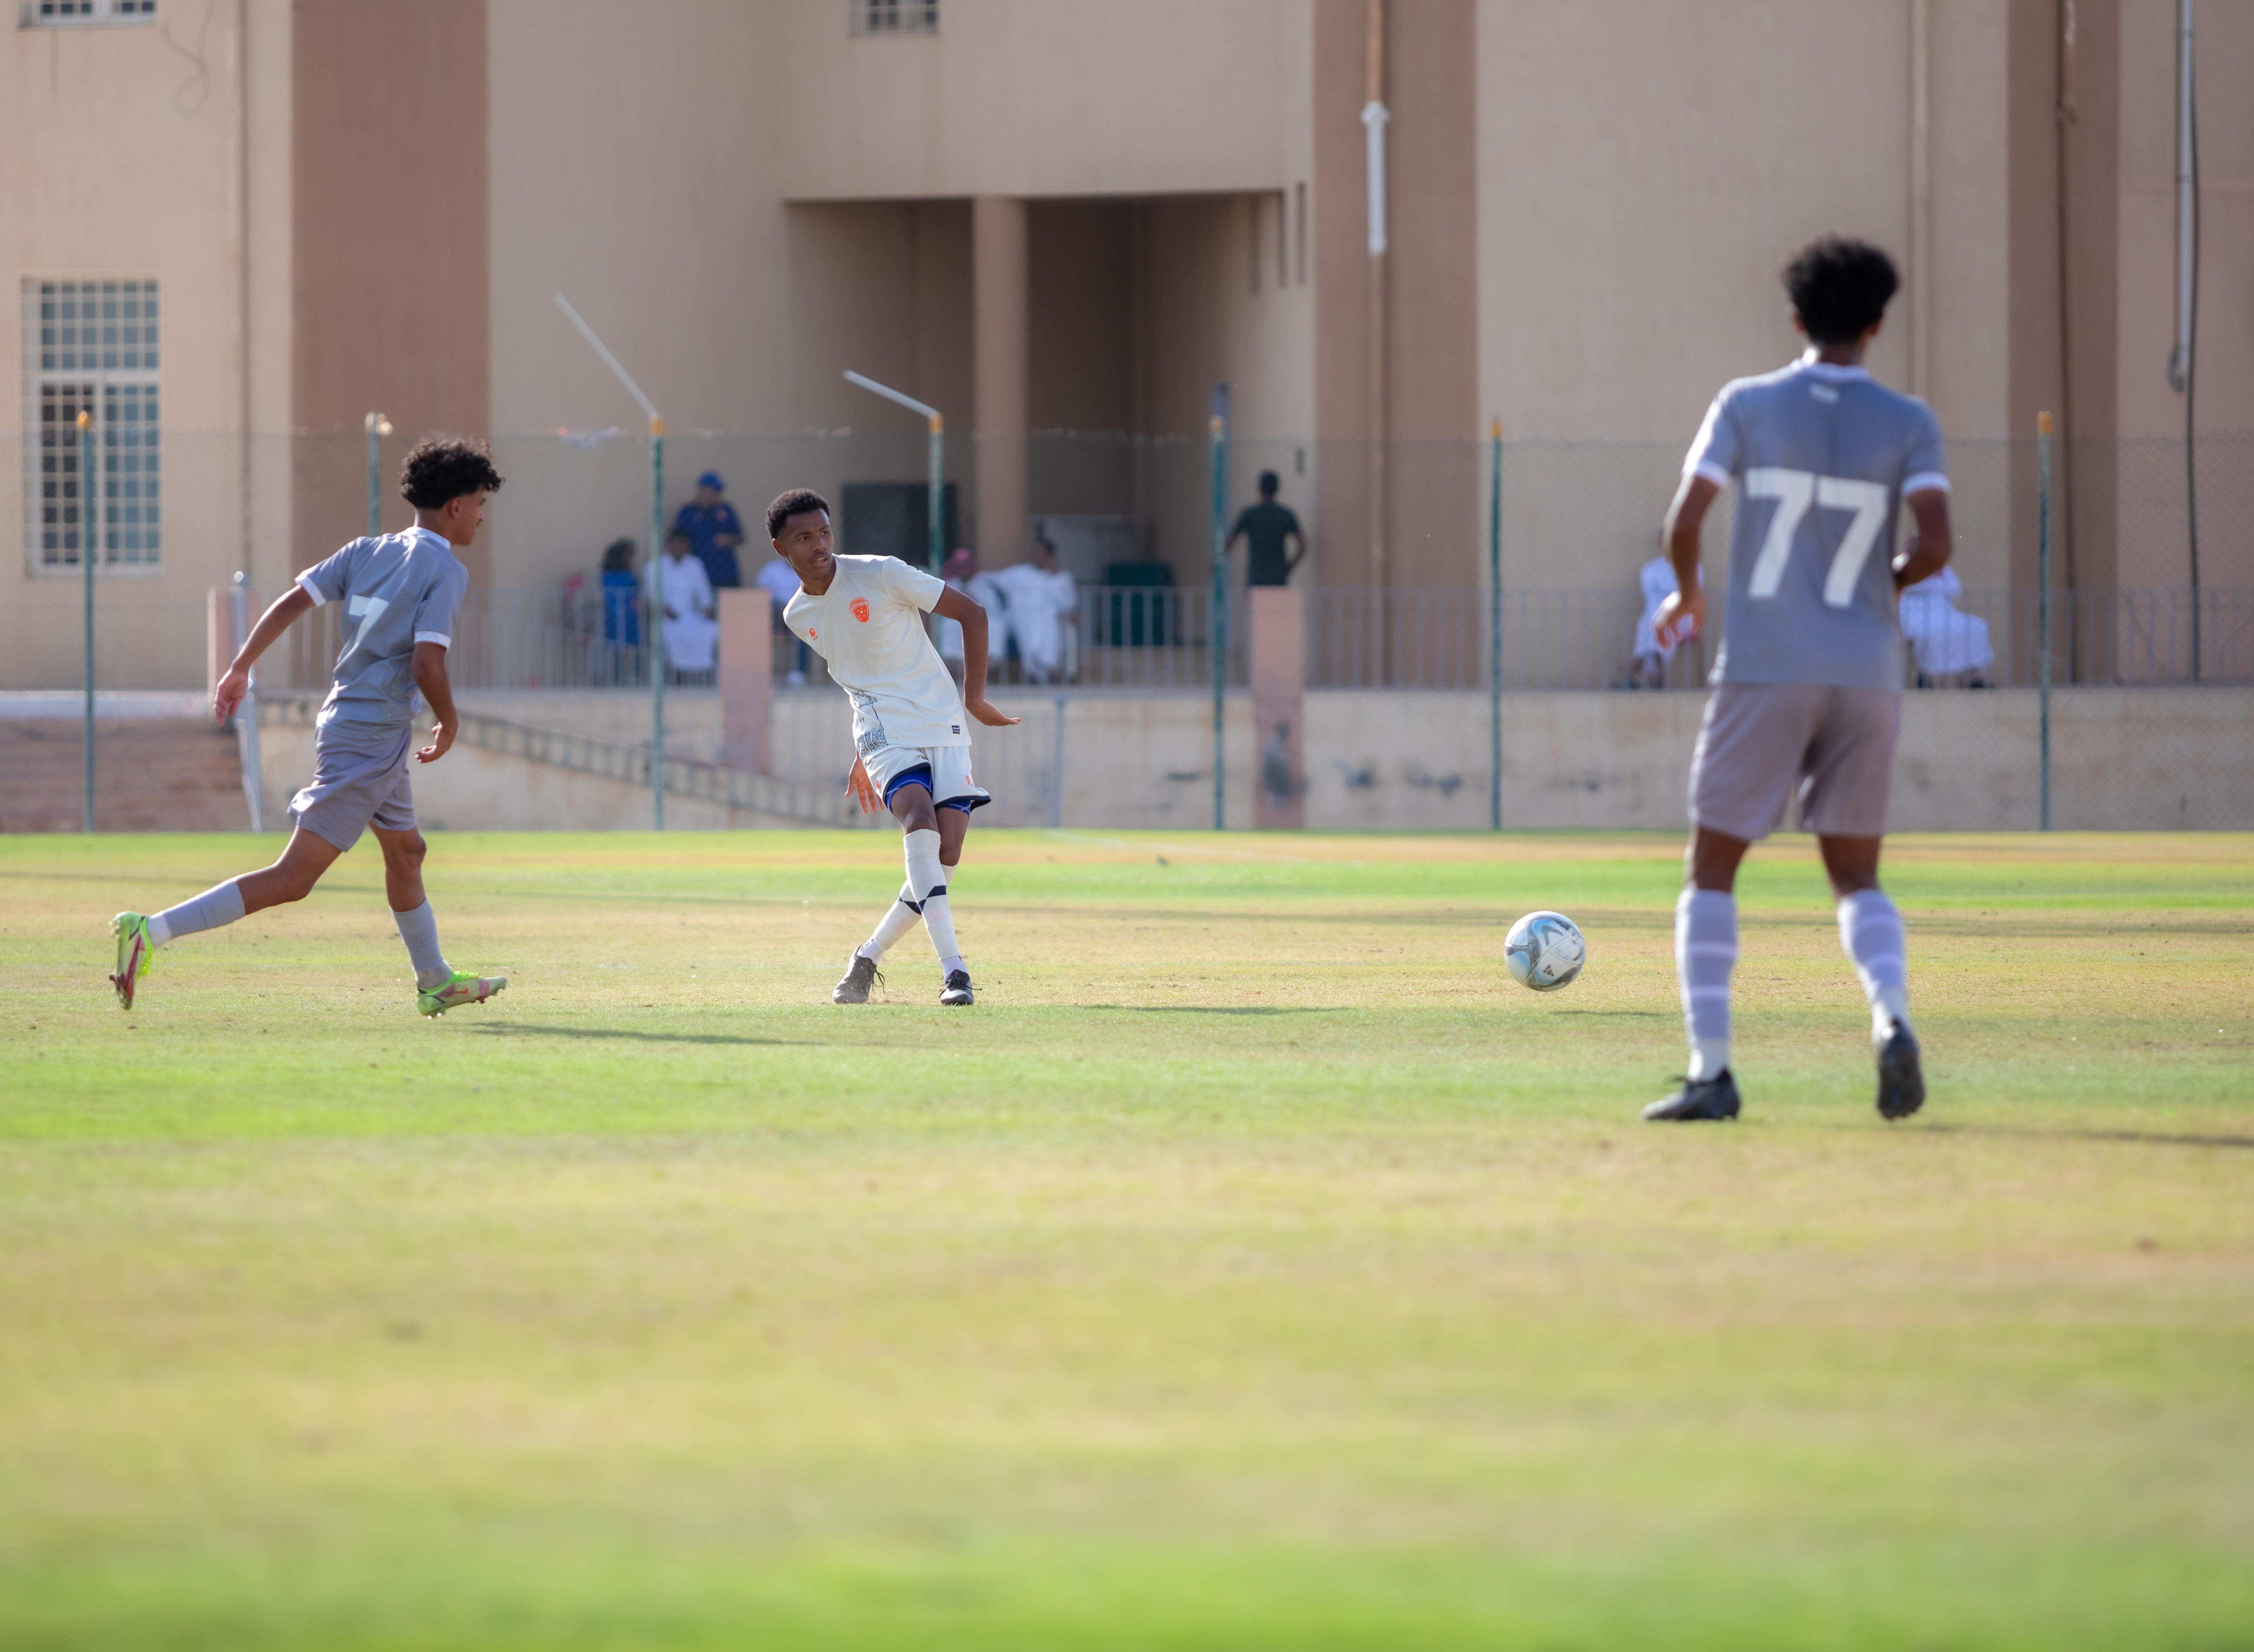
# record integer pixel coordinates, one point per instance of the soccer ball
(1544, 951)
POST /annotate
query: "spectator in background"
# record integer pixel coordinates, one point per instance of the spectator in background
(714, 531)
(684, 593)
(1265, 527)
(961, 568)
(1647, 667)
(1043, 600)
(1949, 641)
(781, 582)
(621, 609)
(989, 594)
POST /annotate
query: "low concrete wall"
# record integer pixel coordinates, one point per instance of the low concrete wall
(2123, 758)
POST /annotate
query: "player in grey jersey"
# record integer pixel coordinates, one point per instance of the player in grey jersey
(398, 595)
(1807, 697)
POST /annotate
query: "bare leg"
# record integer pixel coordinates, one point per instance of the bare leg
(1852, 862)
(953, 824)
(402, 867)
(1712, 860)
(303, 859)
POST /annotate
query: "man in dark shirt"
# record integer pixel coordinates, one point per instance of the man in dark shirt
(714, 531)
(1265, 528)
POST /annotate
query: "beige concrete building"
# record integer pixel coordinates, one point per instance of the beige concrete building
(1062, 222)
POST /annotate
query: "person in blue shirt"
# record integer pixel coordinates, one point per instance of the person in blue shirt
(714, 531)
(621, 611)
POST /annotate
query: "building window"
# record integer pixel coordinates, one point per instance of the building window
(91, 346)
(895, 17)
(62, 14)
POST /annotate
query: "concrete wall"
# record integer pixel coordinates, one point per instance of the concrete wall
(2123, 758)
(124, 156)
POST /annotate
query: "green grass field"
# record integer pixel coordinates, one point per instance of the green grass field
(1255, 1266)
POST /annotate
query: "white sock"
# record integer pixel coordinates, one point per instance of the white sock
(901, 917)
(1706, 951)
(214, 909)
(1871, 933)
(419, 930)
(926, 874)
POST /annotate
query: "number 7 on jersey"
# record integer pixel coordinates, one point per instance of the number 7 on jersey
(1795, 491)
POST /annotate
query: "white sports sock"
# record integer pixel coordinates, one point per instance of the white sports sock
(1871, 933)
(214, 909)
(1706, 951)
(926, 874)
(419, 930)
(901, 917)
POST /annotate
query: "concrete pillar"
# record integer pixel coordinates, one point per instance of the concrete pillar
(747, 679)
(1279, 681)
(998, 321)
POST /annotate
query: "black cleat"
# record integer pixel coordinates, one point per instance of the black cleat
(958, 991)
(1707, 1098)
(1901, 1080)
(860, 975)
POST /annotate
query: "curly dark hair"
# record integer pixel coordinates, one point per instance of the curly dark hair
(618, 556)
(794, 502)
(1840, 287)
(439, 468)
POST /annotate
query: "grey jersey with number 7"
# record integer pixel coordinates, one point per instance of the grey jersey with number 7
(1822, 456)
(396, 592)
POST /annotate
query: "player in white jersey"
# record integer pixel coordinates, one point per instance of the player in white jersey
(398, 595)
(864, 615)
(1807, 697)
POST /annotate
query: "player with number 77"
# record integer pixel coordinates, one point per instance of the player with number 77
(1807, 699)
(399, 594)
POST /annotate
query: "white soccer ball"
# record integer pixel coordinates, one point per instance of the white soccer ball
(1544, 950)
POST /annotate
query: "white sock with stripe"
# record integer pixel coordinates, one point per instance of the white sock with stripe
(1705, 952)
(899, 918)
(1871, 933)
(927, 874)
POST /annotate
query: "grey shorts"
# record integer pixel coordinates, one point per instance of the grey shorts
(1762, 744)
(358, 782)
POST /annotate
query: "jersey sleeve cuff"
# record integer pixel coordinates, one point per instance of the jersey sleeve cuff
(304, 583)
(1712, 473)
(1926, 482)
(438, 637)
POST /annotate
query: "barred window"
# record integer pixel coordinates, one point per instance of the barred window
(895, 17)
(91, 346)
(58, 14)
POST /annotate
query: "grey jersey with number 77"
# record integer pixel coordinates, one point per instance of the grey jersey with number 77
(397, 591)
(1822, 456)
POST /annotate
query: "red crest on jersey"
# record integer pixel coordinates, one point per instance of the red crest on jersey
(861, 609)
(812, 635)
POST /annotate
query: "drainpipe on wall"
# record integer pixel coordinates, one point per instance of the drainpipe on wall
(2181, 361)
(1375, 117)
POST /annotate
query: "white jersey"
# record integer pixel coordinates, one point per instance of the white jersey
(869, 627)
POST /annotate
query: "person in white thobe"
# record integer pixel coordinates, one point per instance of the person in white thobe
(1656, 581)
(1949, 641)
(1042, 599)
(684, 594)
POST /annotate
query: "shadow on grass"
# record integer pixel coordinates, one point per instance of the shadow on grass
(2145, 1137)
(518, 1030)
(1218, 1009)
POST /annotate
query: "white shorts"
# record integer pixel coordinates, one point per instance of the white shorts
(1761, 745)
(944, 769)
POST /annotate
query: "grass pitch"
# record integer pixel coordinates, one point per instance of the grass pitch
(1254, 1266)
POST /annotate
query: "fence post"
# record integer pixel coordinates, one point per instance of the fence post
(1217, 626)
(1056, 773)
(1494, 635)
(2043, 596)
(86, 539)
(653, 624)
(246, 715)
(377, 427)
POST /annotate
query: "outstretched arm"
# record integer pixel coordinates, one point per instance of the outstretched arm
(964, 610)
(1682, 614)
(430, 669)
(235, 682)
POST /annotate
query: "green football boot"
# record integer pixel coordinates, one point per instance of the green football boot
(134, 954)
(463, 988)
